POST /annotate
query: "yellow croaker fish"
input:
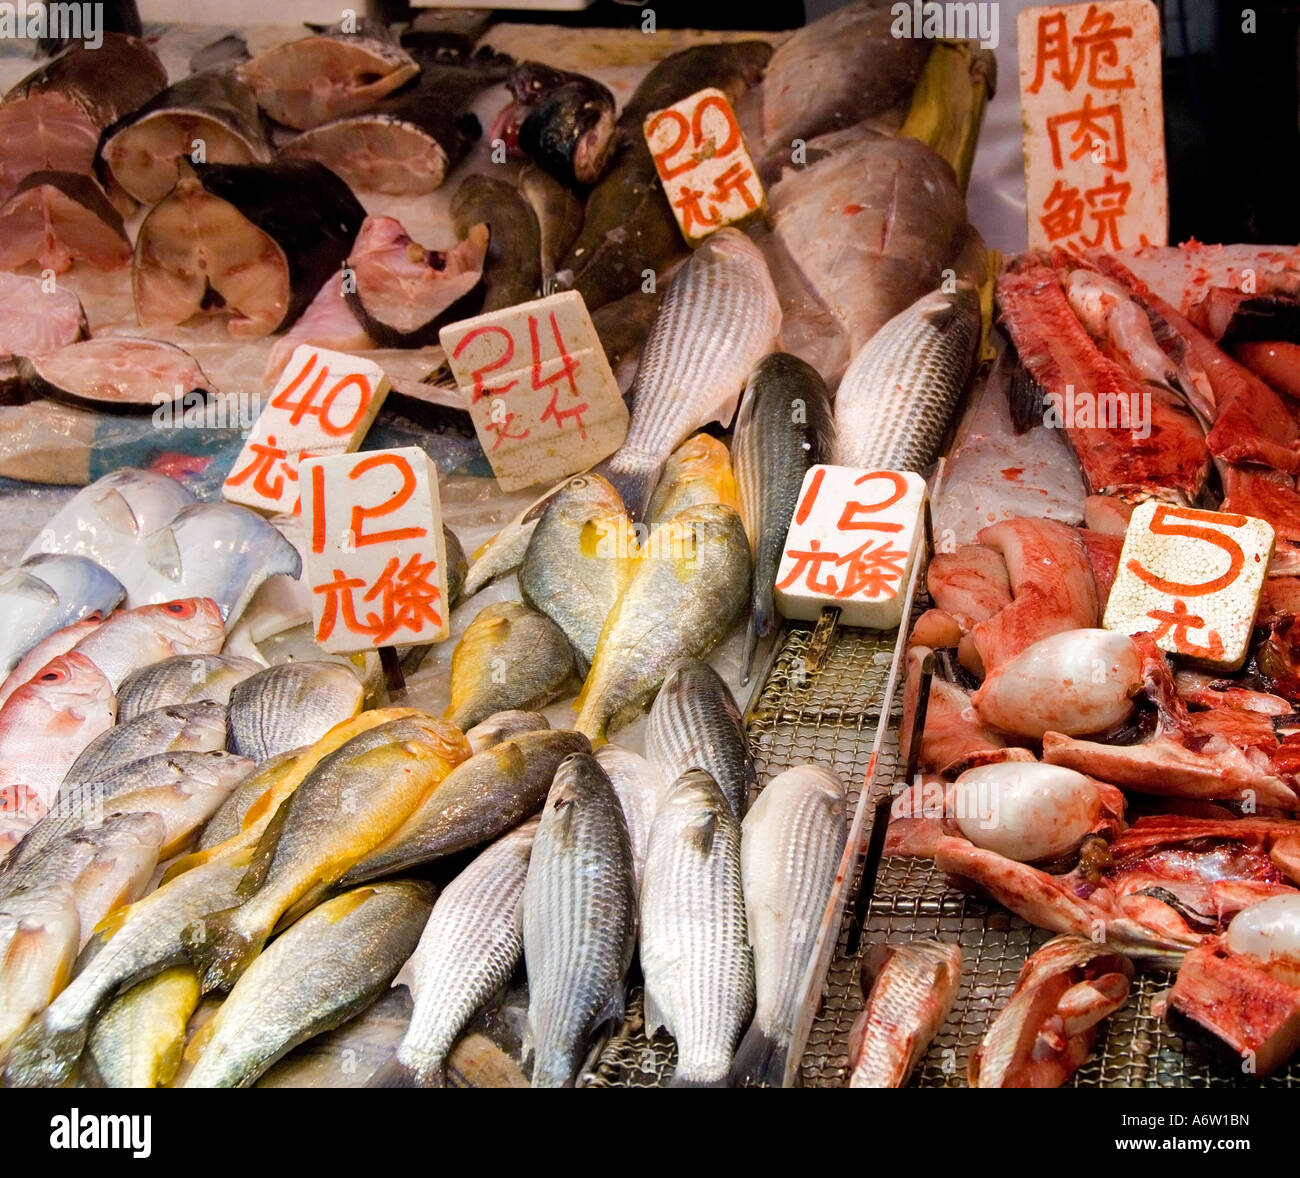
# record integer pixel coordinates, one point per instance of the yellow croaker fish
(138, 1041)
(698, 471)
(349, 804)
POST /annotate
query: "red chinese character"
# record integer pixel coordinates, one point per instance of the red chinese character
(1053, 46)
(734, 179)
(338, 599)
(1097, 39)
(873, 571)
(406, 599)
(1062, 211)
(811, 562)
(1096, 42)
(1106, 206)
(262, 466)
(502, 429)
(1176, 623)
(1091, 130)
(688, 201)
(560, 416)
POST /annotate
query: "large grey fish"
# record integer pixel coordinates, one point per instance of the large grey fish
(579, 560)
(579, 920)
(137, 1042)
(324, 969)
(640, 788)
(699, 973)
(182, 679)
(184, 789)
(784, 427)
(134, 943)
(791, 843)
(719, 317)
(690, 584)
(912, 989)
(467, 953)
(195, 728)
(480, 799)
(291, 705)
(695, 724)
(502, 726)
(38, 944)
(510, 657)
(47, 593)
(899, 393)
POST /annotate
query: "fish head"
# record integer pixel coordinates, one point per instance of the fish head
(192, 625)
(70, 681)
(218, 768)
(76, 581)
(586, 496)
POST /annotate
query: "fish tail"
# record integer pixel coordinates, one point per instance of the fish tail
(42, 1057)
(219, 950)
(760, 1060)
(634, 477)
(393, 1073)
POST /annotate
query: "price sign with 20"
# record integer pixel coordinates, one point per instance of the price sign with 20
(702, 161)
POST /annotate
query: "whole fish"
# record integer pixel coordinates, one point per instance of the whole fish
(640, 788)
(502, 726)
(467, 953)
(695, 724)
(719, 317)
(346, 807)
(912, 989)
(900, 391)
(689, 586)
(184, 789)
(47, 593)
(135, 638)
(698, 471)
(480, 799)
(132, 944)
(195, 728)
(324, 969)
(137, 1042)
(783, 428)
(457, 567)
(510, 657)
(216, 550)
(504, 553)
(183, 679)
(559, 218)
(791, 843)
(581, 556)
(579, 919)
(287, 706)
(45, 651)
(699, 973)
(512, 270)
(43, 728)
(38, 944)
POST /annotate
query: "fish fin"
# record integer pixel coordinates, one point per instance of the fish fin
(27, 584)
(701, 831)
(747, 652)
(613, 1012)
(1026, 396)
(199, 1041)
(44, 1058)
(510, 760)
(117, 512)
(284, 558)
(185, 863)
(759, 1061)
(219, 950)
(163, 556)
(393, 1073)
(263, 854)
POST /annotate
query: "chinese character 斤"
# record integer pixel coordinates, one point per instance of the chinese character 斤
(1062, 211)
(734, 179)
(1096, 45)
(1094, 125)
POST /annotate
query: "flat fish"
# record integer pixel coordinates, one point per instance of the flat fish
(47, 593)
(719, 317)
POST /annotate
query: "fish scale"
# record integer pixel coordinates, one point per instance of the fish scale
(290, 705)
(182, 679)
(198, 727)
(468, 952)
(699, 973)
(899, 392)
(719, 317)
(578, 913)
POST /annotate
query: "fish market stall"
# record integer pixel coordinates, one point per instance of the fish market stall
(551, 555)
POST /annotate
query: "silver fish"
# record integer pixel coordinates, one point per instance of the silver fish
(134, 943)
(695, 724)
(719, 317)
(504, 553)
(38, 944)
(579, 915)
(182, 679)
(502, 726)
(194, 728)
(640, 788)
(285, 707)
(898, 395)
(791, 843)
(467, 953)
(784, 427)
(325, 968)
(47, 593)
(699, 973)
(217, 550)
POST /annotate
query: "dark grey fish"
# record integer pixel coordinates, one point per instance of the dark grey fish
(559, 219)
(512, 268)
(563, 121)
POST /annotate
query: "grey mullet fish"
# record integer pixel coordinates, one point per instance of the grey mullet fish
(719, 317)
(699, 973)
(695, 724)
(790, 849)
(579, 915)
(785, 426)
(467, 953)
(898, 395)
(640, 788)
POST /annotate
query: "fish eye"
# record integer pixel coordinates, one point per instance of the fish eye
(180, 609)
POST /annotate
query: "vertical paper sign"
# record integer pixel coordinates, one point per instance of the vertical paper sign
(376, 558)
(1094, 137)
